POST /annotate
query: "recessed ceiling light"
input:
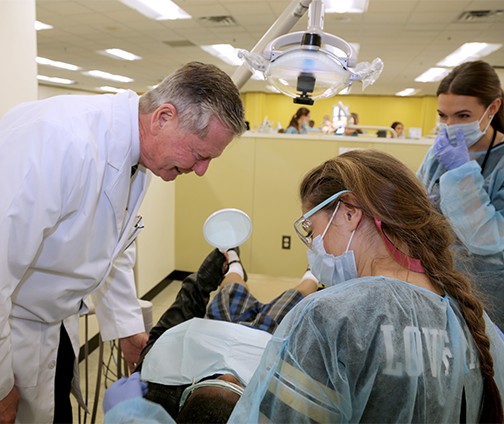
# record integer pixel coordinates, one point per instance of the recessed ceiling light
(112, 89)
(56, 64)
(345, 6)
(40, 25)
(106, 75)
(407, 92)
(433, 74)
(157, 9)
(54, 79)
(469, 51)
(225, 52)
(120, 54)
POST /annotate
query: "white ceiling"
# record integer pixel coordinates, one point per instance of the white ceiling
(410, 36)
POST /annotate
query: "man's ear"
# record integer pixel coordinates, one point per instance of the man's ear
(166, 113)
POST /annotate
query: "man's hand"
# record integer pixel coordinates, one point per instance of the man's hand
(132, 346)
(9, 407)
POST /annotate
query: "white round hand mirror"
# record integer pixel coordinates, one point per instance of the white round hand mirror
(227, 228)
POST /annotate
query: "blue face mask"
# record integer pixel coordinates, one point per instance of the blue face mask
(472, 131)
(329, 269)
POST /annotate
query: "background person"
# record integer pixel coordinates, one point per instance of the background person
(299, 122)
(396, 338)
(353, 121)
(209, 349)
(74, 172)
(464, 175)
(399, 128)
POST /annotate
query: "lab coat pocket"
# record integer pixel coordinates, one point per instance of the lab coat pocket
(134, 231)
(26, 347)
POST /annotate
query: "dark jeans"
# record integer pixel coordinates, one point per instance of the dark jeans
(191, 302)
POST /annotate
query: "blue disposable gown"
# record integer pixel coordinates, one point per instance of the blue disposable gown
(474, 205)
(293, 130)
(372, 349)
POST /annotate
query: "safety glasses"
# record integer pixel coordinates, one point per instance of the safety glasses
(304, 227)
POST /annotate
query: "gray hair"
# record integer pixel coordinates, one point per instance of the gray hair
(199, 91)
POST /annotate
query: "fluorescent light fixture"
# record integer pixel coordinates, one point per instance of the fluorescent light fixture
(152, 87)
(469, 51)
(345, 6)
(106, 75)
(157, 9)
(112, 89)
(54, 79)
(225, 52)
(40, 25)
(56, 64)
(433, 74)
(407, 92)
(121, 54)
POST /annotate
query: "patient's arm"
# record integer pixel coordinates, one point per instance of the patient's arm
(192, 298)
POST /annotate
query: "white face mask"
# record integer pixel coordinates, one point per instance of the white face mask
(472, 131)
(329, 269)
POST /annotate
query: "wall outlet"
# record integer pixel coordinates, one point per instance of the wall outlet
(286, 240)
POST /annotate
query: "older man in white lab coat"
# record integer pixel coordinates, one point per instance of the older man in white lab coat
(74, 170)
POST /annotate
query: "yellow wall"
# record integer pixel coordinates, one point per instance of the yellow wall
(417, 112)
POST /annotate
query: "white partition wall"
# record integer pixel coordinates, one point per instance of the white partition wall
(18, 50)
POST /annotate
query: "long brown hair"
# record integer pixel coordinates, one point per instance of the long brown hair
(476, 79)
(294, 122)
(386, 189)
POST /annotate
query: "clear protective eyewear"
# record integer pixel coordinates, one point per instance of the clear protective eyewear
(304, 227)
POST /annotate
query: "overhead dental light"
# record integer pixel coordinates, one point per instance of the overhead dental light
(311, 65)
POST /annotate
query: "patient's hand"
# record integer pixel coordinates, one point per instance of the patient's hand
(132, 346)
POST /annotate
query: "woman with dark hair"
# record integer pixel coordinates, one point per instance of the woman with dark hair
(398, 336)
(398, 127)
(464, 175)
(299, 122)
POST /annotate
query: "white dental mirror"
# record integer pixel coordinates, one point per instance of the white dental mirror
(227, 228)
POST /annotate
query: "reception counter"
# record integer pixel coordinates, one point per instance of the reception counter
(260, 173)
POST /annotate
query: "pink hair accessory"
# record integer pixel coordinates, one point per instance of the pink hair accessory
(403, 259)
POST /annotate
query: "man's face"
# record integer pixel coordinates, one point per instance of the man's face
(170, 151)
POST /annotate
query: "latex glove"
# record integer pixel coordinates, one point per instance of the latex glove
(124, 389)
(451, 157)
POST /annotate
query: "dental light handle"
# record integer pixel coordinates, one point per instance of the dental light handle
(316, 17)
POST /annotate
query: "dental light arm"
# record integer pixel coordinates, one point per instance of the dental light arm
(311, 65)
(285, 22)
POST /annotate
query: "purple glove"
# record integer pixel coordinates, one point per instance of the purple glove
(124, 389)
(448, 155)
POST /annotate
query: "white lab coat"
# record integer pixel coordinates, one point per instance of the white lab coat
(66, 217)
